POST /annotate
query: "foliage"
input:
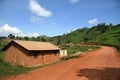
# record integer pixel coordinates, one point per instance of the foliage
(2, 44)
(75, 49)
(7, 70)
(1, 55)
(101, 34)
(69, 57)
(11, 36)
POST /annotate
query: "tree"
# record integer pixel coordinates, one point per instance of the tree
(26, 38)
(43, 39)
(85, 39)
(111, 24)
(102, 27)
(32, 38)
(58, 42)
(38, 38)
(11, 36)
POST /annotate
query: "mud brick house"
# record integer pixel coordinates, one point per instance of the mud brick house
(31, 53)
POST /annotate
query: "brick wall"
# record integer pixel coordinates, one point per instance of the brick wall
(44, 57)
(17, 55)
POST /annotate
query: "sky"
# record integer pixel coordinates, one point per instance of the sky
(33, 18)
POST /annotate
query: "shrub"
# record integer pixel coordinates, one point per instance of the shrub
(69, 57)
(113, 42)
(75, 49)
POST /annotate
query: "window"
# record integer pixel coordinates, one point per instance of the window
(35, 54)
(55, 52)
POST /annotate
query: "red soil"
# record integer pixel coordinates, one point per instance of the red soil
(102, 64)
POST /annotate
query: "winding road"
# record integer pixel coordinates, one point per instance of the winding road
(102, 64)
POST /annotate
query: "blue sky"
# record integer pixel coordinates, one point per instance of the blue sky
(54, 17)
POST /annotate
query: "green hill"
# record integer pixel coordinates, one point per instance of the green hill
(100, 34)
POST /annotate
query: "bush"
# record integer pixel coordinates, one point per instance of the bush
(113, 42)
(75, 49)
(7, 69)
(69, 57)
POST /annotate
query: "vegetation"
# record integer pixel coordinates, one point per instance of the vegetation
(7, 70)
(72, 51)
(101, 34)
(69, 57)
(75, 49)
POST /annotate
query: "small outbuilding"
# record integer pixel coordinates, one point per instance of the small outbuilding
(31, 53)
(63, 52)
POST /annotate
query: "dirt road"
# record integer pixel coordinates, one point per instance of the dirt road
(103, 64)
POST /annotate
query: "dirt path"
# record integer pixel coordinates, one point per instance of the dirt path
(103, 64)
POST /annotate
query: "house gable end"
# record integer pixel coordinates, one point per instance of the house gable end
(9, 44)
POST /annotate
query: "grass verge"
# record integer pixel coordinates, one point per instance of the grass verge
(7, 70)
(75, 49)
(69, 57)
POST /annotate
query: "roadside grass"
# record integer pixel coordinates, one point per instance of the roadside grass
(1, 55)
(68, 57)
(8, 70)
(118, 51)
(76, 48)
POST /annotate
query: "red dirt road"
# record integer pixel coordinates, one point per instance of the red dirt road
(102, 64)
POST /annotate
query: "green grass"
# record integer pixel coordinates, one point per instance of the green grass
(7, 70)
(1, 55)
(74, 49)
(69, 57)
(118, 51)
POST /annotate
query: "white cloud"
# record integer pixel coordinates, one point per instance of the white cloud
(33, 34)
(36, 19)
(93, 21)
(38, 10)
(74, 1)
(6, 29)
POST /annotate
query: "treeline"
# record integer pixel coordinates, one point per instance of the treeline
(4, 40)
(39, 38)
(101, 34)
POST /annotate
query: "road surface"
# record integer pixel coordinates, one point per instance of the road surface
(102, 64)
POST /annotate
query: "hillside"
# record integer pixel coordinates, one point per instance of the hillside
(100, 34)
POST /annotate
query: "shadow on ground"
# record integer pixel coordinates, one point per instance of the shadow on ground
(100, 74)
